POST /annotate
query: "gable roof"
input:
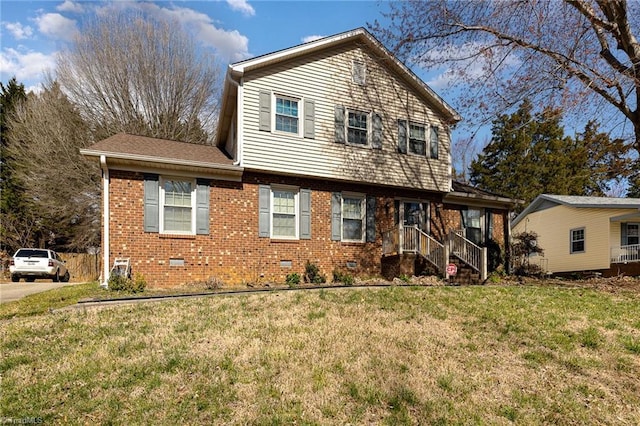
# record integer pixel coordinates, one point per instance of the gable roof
(358, 35)
(546, 201)
(127, 150)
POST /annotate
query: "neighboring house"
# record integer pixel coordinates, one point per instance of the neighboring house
(584, 234)
(331, 152)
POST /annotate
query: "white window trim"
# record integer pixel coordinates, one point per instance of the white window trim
(363, 215)
(369, 126)
(584, 240)
(163, 179)
(296, 200)
(300, 100)
(427, 136)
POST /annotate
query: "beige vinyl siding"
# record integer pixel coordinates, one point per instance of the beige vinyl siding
(326, 79)
(553, 227)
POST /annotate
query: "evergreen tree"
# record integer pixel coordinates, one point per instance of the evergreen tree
(529, 155)
(12, 207)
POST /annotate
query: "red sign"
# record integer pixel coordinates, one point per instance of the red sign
(452, 269)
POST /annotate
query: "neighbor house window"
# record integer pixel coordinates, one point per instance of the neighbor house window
(284, 222)
(632, 234)
(353, 217)
(177, 198)
(577, 240)
(417, 139)
(357, 129)
(286, 114)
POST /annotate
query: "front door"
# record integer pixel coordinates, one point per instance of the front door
(414, 213)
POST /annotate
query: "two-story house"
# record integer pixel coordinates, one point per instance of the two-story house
(331, 152)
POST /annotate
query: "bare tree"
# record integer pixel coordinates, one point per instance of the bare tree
(61, 188)
(580, 54)
(127, 72)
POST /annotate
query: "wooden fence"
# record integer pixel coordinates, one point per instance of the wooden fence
(83, 266)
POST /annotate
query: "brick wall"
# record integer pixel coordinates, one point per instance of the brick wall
(233, 251)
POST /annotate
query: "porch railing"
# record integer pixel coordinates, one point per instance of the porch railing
(411, 239)
(625, 254)
(417, 241)
(468, 252)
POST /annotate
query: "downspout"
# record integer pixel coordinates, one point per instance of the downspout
(105, 219)
(239, 116)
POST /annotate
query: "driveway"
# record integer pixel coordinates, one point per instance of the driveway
(14, 291)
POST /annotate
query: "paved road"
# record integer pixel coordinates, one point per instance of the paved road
(14, 291)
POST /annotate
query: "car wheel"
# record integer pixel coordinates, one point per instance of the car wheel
(29, 279)
(56, 277)
(66, 277)
(15, 278)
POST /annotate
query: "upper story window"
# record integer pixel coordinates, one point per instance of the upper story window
(358, 127)
(418, 139)
(358, 130)
(577, 240)
(359, 72)
(177, 198)
(286, 114)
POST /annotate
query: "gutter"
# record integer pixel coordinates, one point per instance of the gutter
(105, 221)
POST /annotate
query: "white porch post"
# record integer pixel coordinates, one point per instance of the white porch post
(400, 227)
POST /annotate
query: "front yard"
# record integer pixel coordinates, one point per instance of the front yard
(488, 354)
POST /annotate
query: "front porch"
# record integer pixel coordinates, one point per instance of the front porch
(625, 254)
(417, 250)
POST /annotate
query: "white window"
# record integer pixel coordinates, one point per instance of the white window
(359, 72)
(287, 113)
(353, 217)
(417, 139)
(177, 198)
(284, 220)
(577, 240)
(357, 128)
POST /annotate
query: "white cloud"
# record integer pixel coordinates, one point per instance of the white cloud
(242, 6)
(28, 65)
(57, 26)
(70, 6)
(18, 31)
(310, 38)
(230, 45)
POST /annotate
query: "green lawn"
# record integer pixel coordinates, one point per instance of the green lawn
(398, 355)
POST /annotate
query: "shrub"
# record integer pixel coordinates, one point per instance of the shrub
(342, 277)
(293, 279)
(405, 278)
(119, 282)
(312, 274)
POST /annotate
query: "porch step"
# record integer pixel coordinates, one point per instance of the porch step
(465, 275)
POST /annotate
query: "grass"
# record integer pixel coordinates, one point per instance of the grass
(398, 355)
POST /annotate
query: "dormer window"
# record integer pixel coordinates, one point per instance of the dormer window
(359, 72)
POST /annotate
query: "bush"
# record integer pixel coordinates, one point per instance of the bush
(405, 278)
(293, 279)
(312, 274)
(119, 282)
(342, 277)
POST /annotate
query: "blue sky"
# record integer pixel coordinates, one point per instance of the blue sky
(33, 31)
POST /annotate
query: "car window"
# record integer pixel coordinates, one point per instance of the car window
(31, 253)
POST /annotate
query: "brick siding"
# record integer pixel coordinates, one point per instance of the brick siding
(233, 251)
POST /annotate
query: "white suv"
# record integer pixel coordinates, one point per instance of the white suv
(32, 263)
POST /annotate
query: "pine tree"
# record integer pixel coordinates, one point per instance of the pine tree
(529, 155)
